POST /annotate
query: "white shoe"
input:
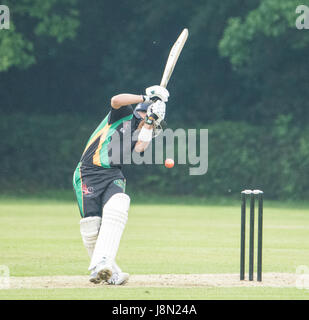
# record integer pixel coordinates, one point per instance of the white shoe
(118, 278)
(102, 272)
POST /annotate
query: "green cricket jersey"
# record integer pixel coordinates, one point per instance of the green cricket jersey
(105, 147)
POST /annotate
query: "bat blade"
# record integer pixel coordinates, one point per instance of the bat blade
(173, 57)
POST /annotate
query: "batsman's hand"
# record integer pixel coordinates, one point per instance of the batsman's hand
(156, 113)
(155, 93)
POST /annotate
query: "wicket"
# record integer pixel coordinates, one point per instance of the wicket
(253, 194)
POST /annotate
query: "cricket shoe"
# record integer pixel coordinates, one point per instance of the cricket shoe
(102, 272)
(118, 278)
(94, 277)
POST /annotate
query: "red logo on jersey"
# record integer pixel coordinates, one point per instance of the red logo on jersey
(87, 190)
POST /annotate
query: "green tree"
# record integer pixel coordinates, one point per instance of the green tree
(270, 53)
(32, 18)
(271, 19)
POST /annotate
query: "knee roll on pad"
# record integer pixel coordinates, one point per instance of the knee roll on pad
(118, 205)
(115, 211)
(89, 229)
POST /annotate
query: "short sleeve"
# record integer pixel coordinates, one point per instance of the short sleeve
(117, 114)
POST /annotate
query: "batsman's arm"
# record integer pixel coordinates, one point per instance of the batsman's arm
(125, 99)
(144, 138)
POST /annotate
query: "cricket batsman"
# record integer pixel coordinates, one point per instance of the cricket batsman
(99, 183)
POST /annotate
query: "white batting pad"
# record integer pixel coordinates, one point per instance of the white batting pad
(89, 229)
(114, 219)
(116, 268)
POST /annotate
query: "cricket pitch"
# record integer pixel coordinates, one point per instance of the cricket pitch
(276, 280)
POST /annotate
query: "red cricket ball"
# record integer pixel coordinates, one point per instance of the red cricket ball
(169, 163)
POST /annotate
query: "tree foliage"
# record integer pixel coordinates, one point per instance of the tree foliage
(271, 19)
(267, 49)
(32, 18)
(44, 151)
(243, 74)
(15, 50)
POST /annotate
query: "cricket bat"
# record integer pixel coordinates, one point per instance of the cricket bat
(173, 57)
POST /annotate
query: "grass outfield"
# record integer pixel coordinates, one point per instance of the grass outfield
(41, 238)
(122, 293)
